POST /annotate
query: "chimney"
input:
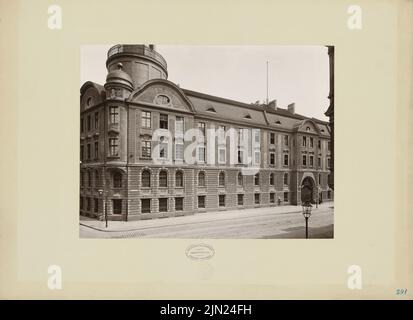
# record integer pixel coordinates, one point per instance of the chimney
(272, 105)
(291, 108)
(152, 47)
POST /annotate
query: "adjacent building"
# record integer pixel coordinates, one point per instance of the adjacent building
(134, 147)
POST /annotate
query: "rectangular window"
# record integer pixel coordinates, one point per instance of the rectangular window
(201, 201)
(163, 204)
(257, 156)
(179, 151)
(146, 119)
(146, 148)
(329, 194)
(113, 147)
(286, 140)
(163, 121)
(221, 135)
(304, 141)
(272, 197)
(81, 203)
(319, 162)
(114, 115)
(286, 160)
(89, 123)
(240, 156)
(81, 152)
(257, 198)
(201, 153)
(329, 146)
(221, 155)
(304, 160)
(311, 142)
(179, 127)
(146, 205)
(163, 149)
(96, 150)
(319, 144)
(87, 204)
(89, 151)
(272, 158)
(257, 136)
(286, 197)
(82, 127)
(240, 199)
(272, 138)
(221, 199)
(96, 120)
(96, 205)
(311, 161)
(328, 163)
(201, 128)
(117, 206)
(179, 204)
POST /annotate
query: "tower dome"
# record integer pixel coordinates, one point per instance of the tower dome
(141, 62)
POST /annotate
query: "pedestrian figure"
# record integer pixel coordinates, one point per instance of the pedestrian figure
(279, 201)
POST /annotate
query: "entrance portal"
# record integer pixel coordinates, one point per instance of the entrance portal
(307, 190)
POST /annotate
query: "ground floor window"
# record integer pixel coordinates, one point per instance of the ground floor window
(88, 204)
(221, 199)
(272, 197)
(179, 204)
(117, 206)
(201, 201)
(163, 204)
(96, 205)
(329, 194)
(146, 205)
(257, 198)
(240, 199)
(81, 202)
(285, 196)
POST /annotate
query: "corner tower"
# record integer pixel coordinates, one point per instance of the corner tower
(140, 62)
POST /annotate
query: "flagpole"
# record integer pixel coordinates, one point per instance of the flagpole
(267, 82)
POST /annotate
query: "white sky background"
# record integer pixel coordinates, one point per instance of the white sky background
(296, 73)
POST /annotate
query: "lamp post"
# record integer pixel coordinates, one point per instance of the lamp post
(306, 213)
(104, 207)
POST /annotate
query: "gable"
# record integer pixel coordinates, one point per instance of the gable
(162, 93)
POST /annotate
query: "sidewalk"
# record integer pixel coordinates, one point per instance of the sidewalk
(114, 226)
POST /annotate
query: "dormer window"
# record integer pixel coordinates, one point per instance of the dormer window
(308, 129)
(247, 116)
(278, 122)
(211, 109)
(162, 99)
(89, 101)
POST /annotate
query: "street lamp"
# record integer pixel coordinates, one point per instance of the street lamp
(306, 213)
(104, 207)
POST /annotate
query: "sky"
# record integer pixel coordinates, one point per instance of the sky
(296, 74)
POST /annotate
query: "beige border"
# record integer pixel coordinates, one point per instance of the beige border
(39, 95)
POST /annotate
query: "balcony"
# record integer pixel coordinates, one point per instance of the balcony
(139, 49)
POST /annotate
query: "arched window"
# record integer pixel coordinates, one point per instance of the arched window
(286, 179)
(240, 179)
(146, 178)
(272, 179)
(221, 179)
(117, 179)
(201, 179)
(163, 179)
(179, 179)
(257, 179)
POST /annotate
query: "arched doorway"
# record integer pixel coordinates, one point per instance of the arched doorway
(307, 190)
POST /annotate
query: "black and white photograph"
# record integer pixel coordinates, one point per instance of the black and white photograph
(206, 142)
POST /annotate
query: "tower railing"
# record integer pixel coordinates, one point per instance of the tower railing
(137, 49)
